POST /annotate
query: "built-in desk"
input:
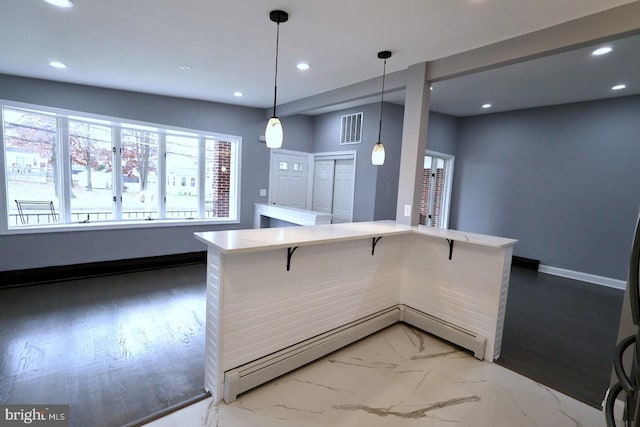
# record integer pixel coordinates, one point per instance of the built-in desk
(288, 214)
(278, 298)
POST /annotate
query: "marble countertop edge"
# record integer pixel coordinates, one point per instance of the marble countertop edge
(253, 240)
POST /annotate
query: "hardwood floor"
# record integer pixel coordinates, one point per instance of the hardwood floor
(115, 348)
(561, 333)
(120, 348)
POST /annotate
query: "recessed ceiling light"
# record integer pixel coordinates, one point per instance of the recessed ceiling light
(184, 67)
(57, 64)
(60, 3)
(238, 94)
(486, 105)
(302, 66)
(601, 51)
(619, 87)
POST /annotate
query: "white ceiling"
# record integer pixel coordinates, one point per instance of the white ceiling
(139, 45)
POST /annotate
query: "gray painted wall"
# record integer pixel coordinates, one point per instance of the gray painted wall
(563, 180)
(388, 174)
(326, 137)
(49, 249)
(377, 187)
(442, 133)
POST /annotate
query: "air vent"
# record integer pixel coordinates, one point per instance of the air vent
(351, 130)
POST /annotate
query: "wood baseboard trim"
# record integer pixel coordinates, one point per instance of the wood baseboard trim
(34, 276)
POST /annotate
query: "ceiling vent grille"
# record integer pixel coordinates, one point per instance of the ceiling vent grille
(351, 129)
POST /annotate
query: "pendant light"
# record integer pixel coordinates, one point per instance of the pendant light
(273, 133)
(377, 155)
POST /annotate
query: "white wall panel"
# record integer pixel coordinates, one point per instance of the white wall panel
(463, 290)
(268, 308)
(213, 375)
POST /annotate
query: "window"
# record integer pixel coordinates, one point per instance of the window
(436, 189)
(117, 172)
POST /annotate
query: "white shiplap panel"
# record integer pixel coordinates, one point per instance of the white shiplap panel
(502, 308)
(463, 290)
(213, 374)
(268, 308)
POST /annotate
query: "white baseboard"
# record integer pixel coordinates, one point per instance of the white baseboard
(585, 277)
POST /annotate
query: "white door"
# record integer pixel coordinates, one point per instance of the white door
(323, 186)
(436, 189)
(343, 191)
(289, 180)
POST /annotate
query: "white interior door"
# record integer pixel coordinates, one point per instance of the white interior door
(323, 186)
(289, 180)
(343, 191)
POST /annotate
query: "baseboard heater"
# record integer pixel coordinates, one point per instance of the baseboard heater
(260, 371)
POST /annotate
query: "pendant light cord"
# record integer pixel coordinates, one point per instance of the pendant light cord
(384, 71)
(275, 81)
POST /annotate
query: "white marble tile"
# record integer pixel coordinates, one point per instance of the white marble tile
(398, 377)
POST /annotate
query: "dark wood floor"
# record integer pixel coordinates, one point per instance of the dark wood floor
(561, 333)
(115, 348)
(122, 347)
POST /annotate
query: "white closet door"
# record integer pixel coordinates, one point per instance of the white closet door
(343, 191)
(323, 186)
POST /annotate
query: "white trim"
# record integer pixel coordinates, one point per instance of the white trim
(585, 277)
(92, 226)
(4, 213)
(336, 155)
(448, 184)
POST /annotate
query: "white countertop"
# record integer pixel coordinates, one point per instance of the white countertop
(250, 240)
(463, 236)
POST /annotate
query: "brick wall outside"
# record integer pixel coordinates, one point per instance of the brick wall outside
(221, 179)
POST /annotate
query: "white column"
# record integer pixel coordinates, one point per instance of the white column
(414, 142)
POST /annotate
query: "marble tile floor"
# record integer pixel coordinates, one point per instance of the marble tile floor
(399, 377)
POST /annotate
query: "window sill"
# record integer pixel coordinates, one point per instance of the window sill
(102, 226)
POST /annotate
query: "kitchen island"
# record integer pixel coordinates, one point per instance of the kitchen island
(278, 298)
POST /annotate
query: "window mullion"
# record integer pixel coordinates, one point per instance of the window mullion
(117, 172)
(162, 175)
(6, 219)
(64, 168)
(202, 166)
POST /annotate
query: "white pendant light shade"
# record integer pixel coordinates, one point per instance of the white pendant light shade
(377, 155)
(274, 133)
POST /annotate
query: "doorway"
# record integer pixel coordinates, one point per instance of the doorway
(437, 179)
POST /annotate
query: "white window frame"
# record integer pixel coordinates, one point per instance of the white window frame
(448, 185)
(117, 223)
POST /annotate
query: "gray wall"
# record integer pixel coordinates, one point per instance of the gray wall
(377, 186)
(326, 137)
(563, 180)
(442, 133)
(49, 249)
(388, 174)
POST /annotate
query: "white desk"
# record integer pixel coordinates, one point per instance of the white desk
(288, 214)
(279, 297)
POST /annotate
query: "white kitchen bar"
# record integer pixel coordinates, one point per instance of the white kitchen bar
(278, 298)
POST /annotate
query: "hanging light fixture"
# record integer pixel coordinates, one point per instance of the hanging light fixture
(377, 155)
(274, 133)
